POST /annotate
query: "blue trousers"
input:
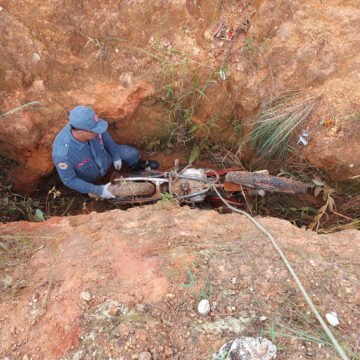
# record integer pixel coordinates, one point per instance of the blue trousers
(129, 154)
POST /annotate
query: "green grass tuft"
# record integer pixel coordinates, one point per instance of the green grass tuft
(278, 123)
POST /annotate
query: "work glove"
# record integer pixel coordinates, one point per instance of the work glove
(106, 194)
(117, 164)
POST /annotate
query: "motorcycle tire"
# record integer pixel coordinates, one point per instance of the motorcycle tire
(132, 189)
(266, 182)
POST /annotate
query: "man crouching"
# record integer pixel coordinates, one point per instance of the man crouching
(83, 152)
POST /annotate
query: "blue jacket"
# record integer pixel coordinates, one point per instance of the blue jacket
(79, 164)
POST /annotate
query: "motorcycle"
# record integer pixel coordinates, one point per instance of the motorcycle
(192, 185)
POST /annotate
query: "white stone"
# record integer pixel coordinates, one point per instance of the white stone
(36, 57)
(145, 356)
(332, 318)
(204, 307)
(85, 295)
(247, 348)
(8, 281)
(78, 355)
(263, 318)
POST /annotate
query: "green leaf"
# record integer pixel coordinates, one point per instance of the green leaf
(205, 282)
(169, 91)
(189, 271)
(195, 152)
(272, 331)
(40, 215)
(202, 93)
(150, 54)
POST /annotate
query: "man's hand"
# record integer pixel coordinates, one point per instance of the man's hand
(117, 164)
(106, 194)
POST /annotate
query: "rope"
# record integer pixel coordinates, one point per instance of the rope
(293, 274)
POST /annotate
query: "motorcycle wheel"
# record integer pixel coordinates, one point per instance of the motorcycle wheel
(266, 182)
(132, 189)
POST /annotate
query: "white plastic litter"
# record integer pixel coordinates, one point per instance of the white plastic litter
(222, 74)
(304, 133)
(302, 136)
(302, 140)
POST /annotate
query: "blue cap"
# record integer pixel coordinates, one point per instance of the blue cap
(84, 118)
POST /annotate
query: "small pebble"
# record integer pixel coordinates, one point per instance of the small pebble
(263, 318)
(204, 307)
(85, 295)
(36, 57)
(145, 356)
(332, 318)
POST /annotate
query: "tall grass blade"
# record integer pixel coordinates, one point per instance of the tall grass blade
(25, 106)
(305, 335)
(277, 124)
(202, 93)
(273, 333)
(190, 273)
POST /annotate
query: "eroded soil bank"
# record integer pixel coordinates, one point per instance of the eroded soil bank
(152, 69)
(103, 286)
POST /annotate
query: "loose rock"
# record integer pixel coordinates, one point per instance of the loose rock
(204, 307)
(145, 356)
(247, 348)
(332, 319)
(86, 296)
(36, 57)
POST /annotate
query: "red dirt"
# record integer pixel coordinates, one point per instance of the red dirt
(131, 261)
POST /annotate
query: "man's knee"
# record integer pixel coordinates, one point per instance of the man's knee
(129, 154)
